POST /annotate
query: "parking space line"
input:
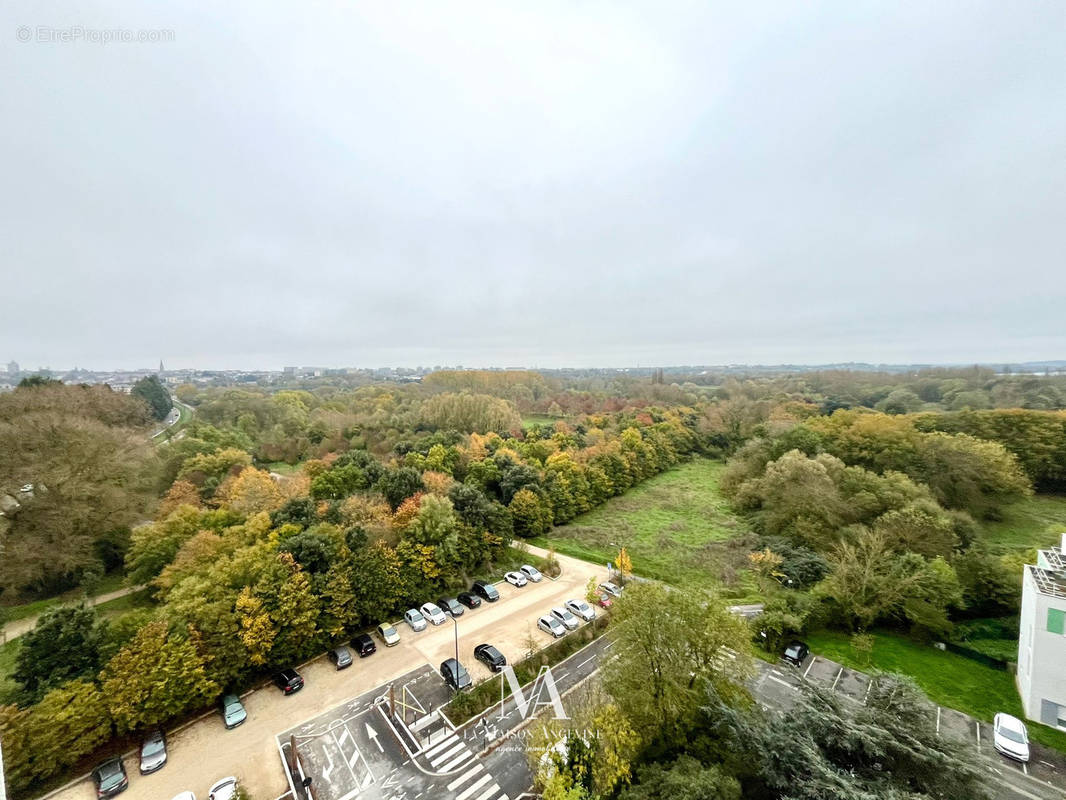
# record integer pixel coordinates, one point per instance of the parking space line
(938, 720)
(782, 681)
(977, 727)
(836, 680)
(813, 659)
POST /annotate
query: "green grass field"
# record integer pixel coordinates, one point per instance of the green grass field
(948, 679)
(1036, 521)
(538, 419)
(676, 526)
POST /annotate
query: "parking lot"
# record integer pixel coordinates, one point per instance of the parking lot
(776, 687)
(204, 751)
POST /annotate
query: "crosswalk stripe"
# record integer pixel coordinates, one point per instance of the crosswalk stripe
(490, 792)
(480, 784)
(441, 745)
(451, 765)
(440, 758)
(470, 773)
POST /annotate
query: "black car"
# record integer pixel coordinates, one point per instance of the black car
(110, 778)
(796, 652)
(469, 600)
(341, 656)
(289, 681)
(455, 675)
(485, 590)
(364, 645)
(490, 657)
(451, 606)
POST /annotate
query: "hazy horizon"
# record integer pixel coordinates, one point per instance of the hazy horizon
(558, 185)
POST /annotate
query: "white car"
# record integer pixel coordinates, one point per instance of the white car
(551, 625)
(1010, 737)
(223, 789)
(431, 612)
(565, 617)
(531, 572)
(413, 618)
(611, 589)
(185, 796)
(581, 609)
(516, 579)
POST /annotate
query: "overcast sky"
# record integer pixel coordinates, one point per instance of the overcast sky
(550, 183)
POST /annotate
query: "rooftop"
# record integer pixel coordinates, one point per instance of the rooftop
(1050, 575)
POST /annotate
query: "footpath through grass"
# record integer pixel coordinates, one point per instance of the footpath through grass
(676, 526)
(109, 583)
(949, 680)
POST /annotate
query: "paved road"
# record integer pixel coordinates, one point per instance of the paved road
(204, 751)
(359, 751)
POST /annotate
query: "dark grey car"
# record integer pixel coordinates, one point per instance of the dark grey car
(341, 657)
(153, 752)
(110, 778)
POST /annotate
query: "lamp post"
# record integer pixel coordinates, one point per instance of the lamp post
(455, 625)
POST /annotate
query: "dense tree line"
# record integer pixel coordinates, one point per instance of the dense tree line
(252, 571)
(151, 391)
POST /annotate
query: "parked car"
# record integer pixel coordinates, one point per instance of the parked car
(550, 624)
(110, 778)
(796, 653)
(516, 579)
(531, 572)
(341, 657)
(490, 657)
(233, 713)
(415, 619)
(485, 590)
(612, 589)
(469, 599)
(1010, 737)
(604, 601)
(433, 614)
(565, 617)
(289, 681)
(451, 606)
(223, 789)
(581, 609)
(185, 796)
(455, 675)
(364, 645)
(388, 634)
(153, 752)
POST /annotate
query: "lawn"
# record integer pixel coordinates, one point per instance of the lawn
(948, 679)
(108, 583)
(676, 526)
(530, 420)
(282, 467)
(1036, 521)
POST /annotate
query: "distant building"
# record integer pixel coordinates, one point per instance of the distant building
(289, 371)
(1042, 638)
(12, 369)
(160, 366)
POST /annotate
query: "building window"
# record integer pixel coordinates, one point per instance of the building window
(1056, 621)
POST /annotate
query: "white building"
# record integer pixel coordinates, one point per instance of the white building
(1042, 638)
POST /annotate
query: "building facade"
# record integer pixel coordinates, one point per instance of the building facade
(1041, 674)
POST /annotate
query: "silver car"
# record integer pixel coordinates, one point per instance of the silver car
(414, 618)
(565, 617)
(550, 624)
(531, 572)
(233, 713)
(581, 609)
(153, 752)
(388, 634)
(612, 589)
